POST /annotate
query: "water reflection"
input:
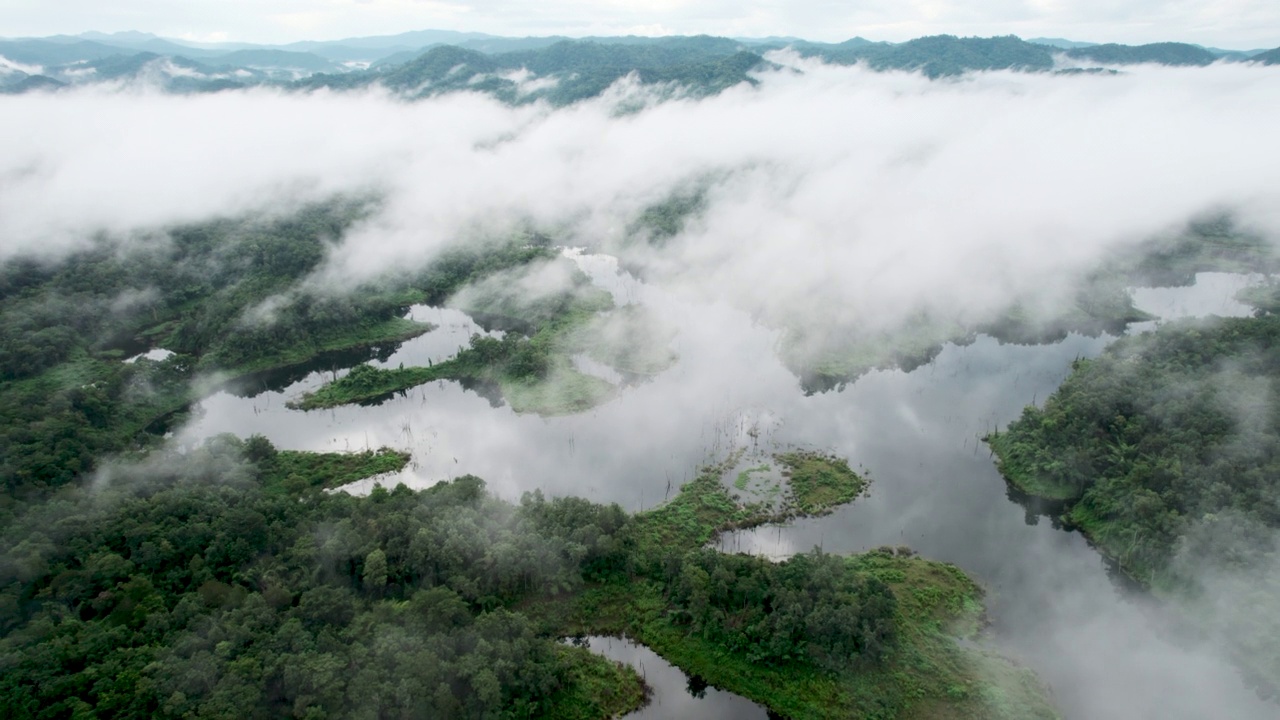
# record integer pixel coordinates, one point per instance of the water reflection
(1213, 293)
(452, 331)
(675, 694)
(917, 434)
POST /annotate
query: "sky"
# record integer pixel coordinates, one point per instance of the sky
(1231, 24)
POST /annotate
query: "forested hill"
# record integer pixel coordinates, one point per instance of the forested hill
(1161, 53)
(558, 70)
(1165, 451)
(939, 55)
(563, 73)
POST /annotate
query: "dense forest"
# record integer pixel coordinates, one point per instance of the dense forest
(144, 580)
(1165, 451)
(211, 585)
(222, 581)
(571, 70)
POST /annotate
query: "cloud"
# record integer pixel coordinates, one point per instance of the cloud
(862, 198)
(835, 194)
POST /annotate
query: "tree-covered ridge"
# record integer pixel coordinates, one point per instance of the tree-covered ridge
(566, 70)
(529, 372)
(826, 356)
(1167, 53)
(940, 55)
(1159, 432)
(1165, 451)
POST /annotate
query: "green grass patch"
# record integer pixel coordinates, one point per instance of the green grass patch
(563, 391)
(744, 477)
(819, 483)
(933, 672)
(366, 382)
(631, 339)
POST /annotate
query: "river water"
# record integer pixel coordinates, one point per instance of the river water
(674, 694)
(1101, 648)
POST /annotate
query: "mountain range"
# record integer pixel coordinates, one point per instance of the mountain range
(559, 70)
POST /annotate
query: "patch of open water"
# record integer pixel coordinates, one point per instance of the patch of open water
(934, 486)
(675, 694)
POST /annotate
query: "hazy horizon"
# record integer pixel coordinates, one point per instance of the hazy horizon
(462, 35)
(1246, 25)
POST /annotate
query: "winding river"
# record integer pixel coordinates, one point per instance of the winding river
(1102, 648)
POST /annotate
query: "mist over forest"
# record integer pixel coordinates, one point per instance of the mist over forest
(402, 377)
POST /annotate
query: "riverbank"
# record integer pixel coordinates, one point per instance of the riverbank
(928, 666)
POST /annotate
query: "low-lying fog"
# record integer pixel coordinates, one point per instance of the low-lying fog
(934, 486)
(834, 196)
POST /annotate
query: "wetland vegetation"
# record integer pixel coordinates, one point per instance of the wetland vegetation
(226, 297)
(417, 250)
(878, 635)
(228, 578)
(188, 583)
(1164, 452)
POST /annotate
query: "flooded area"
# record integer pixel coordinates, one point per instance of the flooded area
(916, 435)
(675, 694)
(1214, 293)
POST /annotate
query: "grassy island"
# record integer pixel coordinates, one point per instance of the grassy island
(533, 373)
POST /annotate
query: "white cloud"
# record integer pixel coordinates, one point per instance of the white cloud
(858, 196)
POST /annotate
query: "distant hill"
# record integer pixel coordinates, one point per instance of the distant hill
(554, 69)
(47, 52)
(146, 42)
(21, 83)
(565, 71)
(501, 45)
(1270, 57)
(373, 48)
(939, 55)
(1162, 53)
(1060, 43)
(275, 59)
